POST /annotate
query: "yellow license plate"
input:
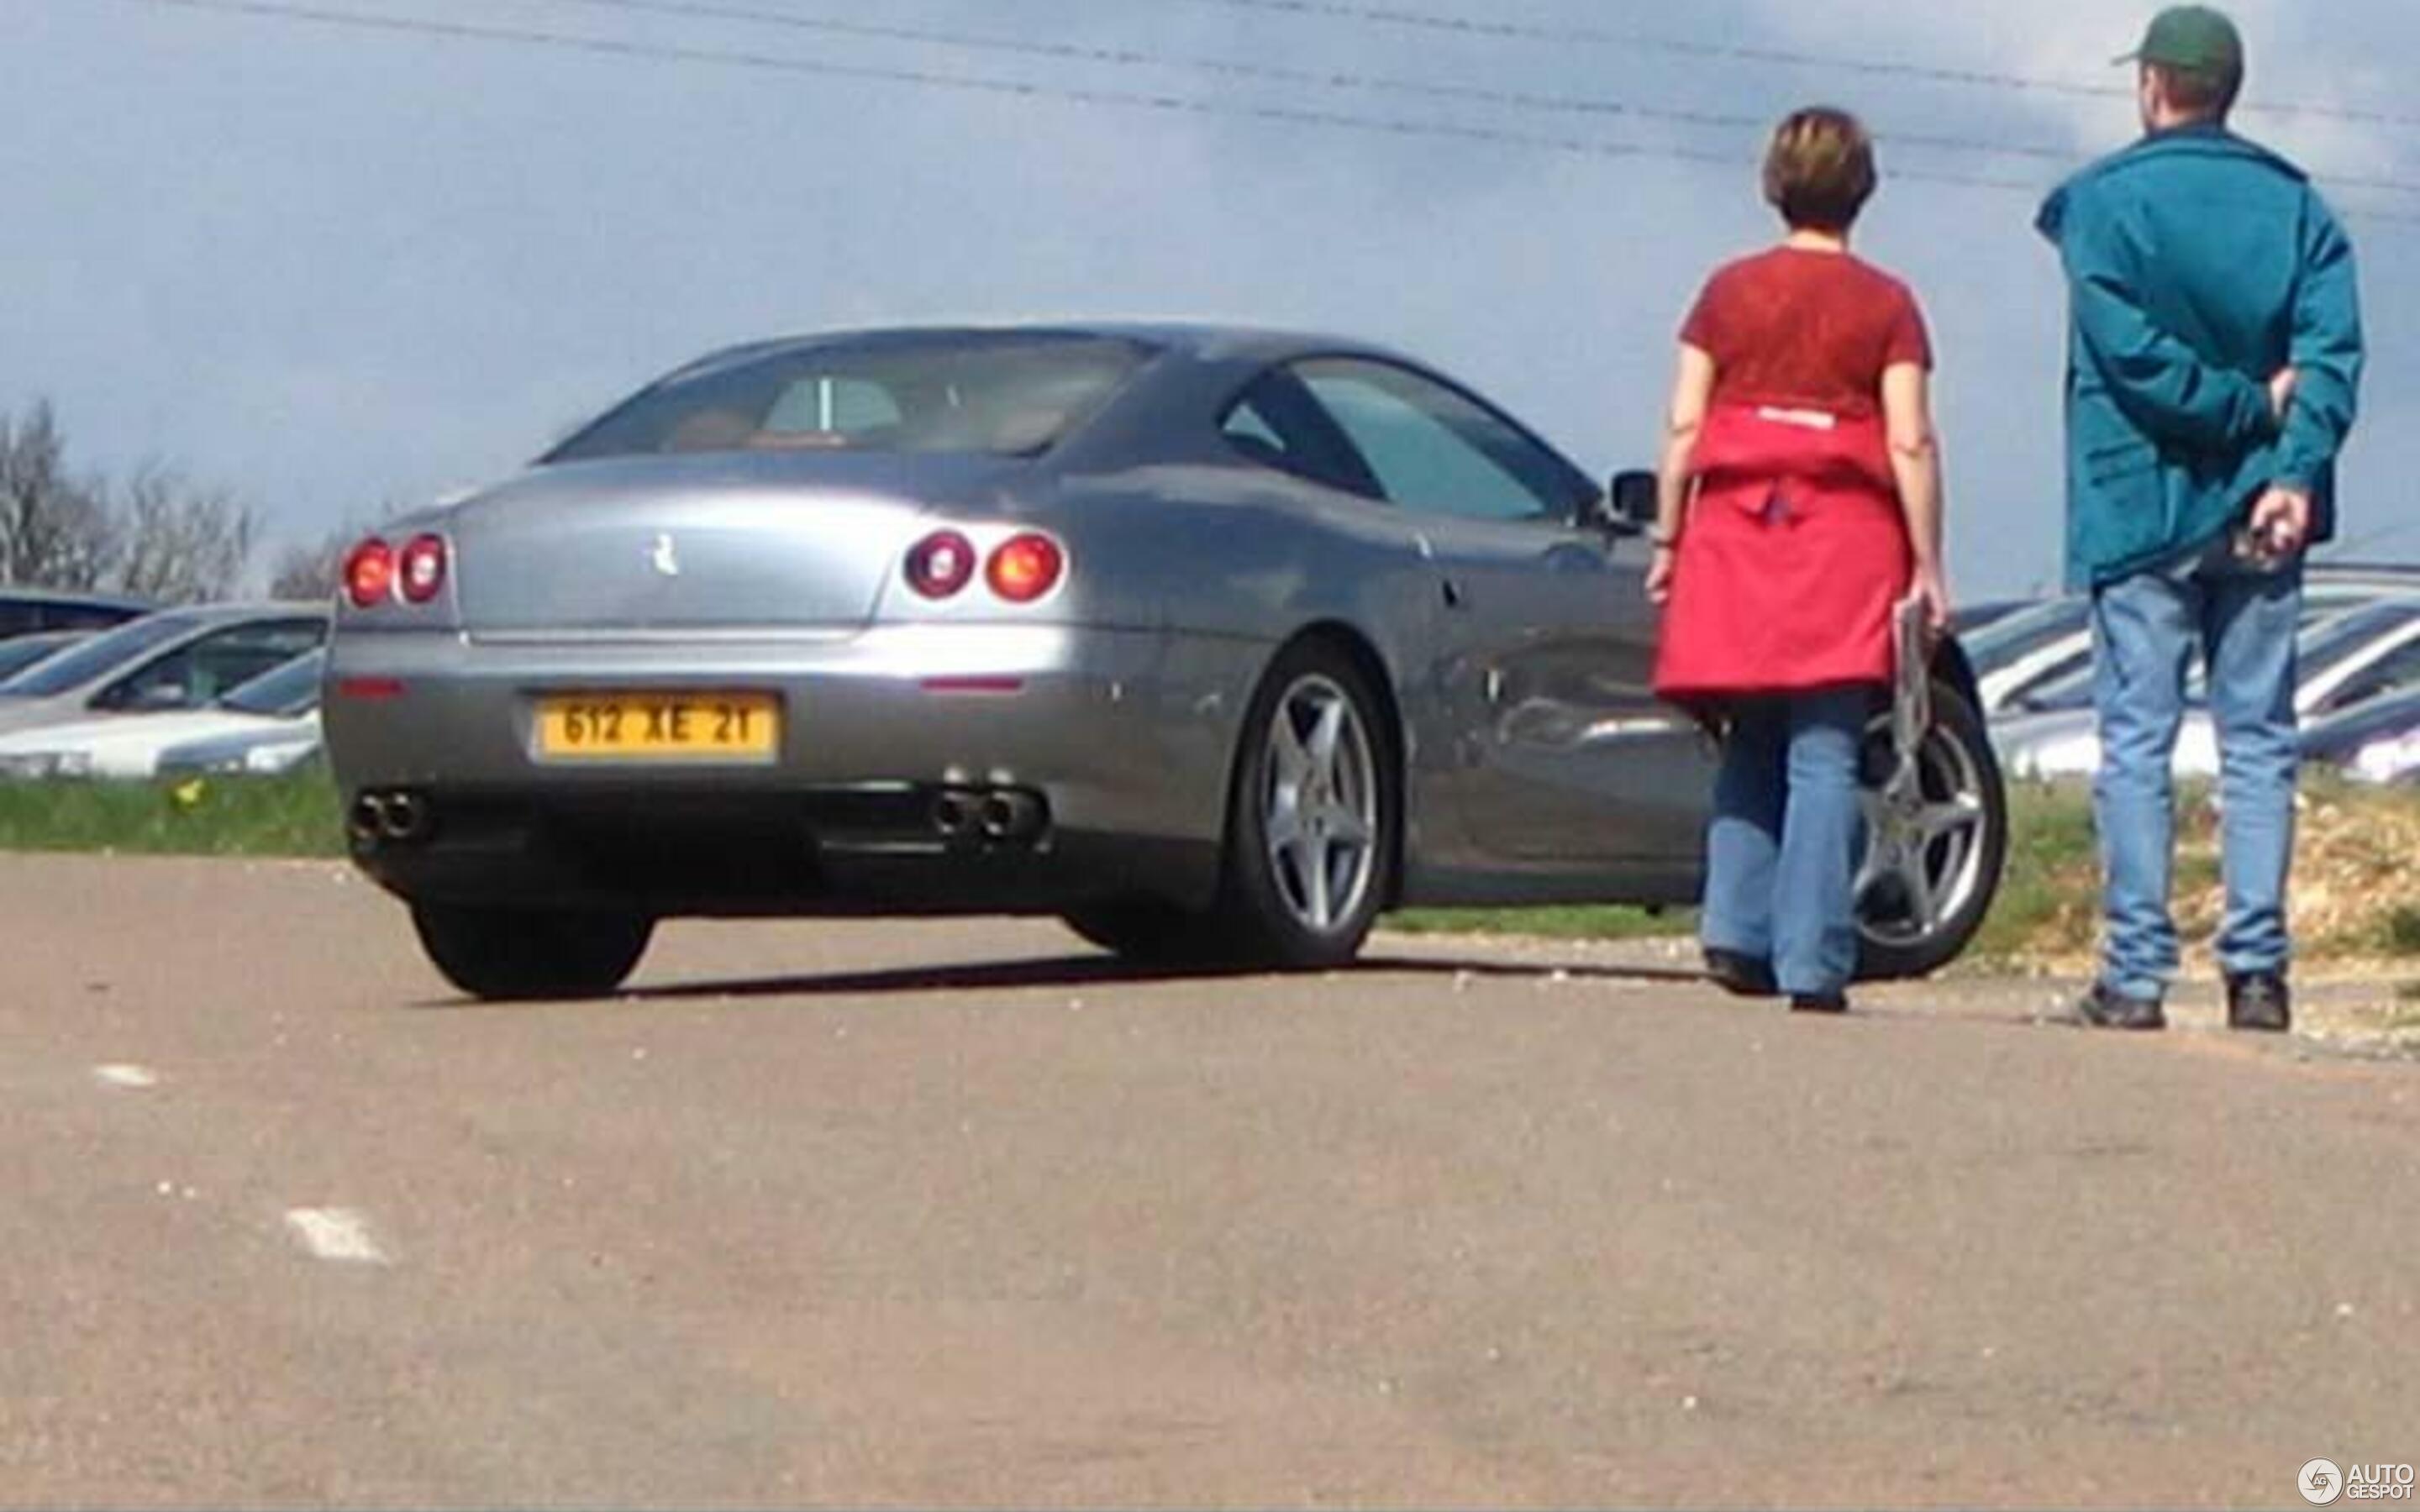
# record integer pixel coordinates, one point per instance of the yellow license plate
(659, 727)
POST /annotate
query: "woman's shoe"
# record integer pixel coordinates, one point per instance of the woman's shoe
(1819, 1002)
(1742, 975)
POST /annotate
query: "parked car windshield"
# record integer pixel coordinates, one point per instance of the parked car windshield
(283, 693)
(983, 392)
(97, 658)
(22, 652)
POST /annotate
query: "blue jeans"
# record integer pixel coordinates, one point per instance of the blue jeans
(2146, 629)
(1782, 851)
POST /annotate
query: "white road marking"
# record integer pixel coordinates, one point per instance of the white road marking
(337, 1234)
(135, 1078)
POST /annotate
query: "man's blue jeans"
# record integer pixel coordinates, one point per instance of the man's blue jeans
(1781, 853)
(2146, 629)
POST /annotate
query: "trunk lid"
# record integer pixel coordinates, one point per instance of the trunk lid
(731, 542)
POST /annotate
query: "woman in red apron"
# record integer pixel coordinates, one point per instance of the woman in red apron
(1800, 501)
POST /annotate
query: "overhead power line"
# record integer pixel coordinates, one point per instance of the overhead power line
(1287, 115)
(1432, 21)
(1338, 80)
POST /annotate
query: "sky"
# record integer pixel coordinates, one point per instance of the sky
(339, 268)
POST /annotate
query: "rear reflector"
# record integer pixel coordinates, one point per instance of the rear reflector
(974, 684)
(371, 689)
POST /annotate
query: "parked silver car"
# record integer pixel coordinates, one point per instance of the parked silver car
(177, 659)
(1214, 643)
(2343, 661)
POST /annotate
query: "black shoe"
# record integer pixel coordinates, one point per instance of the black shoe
(1819, 1002)
(2260, 1001)
(2103, 1008)
(1742, 975)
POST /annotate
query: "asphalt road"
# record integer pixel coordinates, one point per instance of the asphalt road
(953, 1214)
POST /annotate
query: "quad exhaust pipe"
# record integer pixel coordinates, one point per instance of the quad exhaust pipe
(393, 818)
(1005, 816)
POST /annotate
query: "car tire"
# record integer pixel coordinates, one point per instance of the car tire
(1313, 817)
(1933, 856)
(510, 955)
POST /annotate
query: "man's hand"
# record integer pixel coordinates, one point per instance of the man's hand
(2281, 393)
(2281, 522)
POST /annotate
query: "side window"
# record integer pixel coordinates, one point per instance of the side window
(201, 671)
(1436, 452)
(83, 617)
(1278, 424)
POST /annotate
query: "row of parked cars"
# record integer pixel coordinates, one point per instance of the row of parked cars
(2357, 682)
(99, 686)
(107, 687)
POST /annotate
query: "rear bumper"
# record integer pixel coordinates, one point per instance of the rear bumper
(1122, 740)
(803, 854)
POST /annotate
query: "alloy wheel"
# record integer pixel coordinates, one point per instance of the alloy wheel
(1320, 804)
(1925, 829)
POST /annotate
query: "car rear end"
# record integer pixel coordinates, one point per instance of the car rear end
(791, 667)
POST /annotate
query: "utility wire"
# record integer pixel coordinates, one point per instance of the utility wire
(1338, 80)
(1601, 148)
(1430, 21)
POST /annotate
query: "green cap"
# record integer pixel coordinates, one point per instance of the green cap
(2194, 38)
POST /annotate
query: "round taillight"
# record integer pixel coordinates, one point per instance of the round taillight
(369, 574)
(1026, 567)
(941, 564)
(420, 568)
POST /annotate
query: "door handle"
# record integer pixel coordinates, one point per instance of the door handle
(1454, 596)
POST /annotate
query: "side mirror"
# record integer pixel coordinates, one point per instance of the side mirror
(1631, 501)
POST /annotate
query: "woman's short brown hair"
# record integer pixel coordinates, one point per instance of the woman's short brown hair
(1819, 171)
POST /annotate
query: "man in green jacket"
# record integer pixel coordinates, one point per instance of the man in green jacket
(2213, 371)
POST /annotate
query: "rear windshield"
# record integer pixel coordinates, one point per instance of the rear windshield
(986, 394)
(284, 692)
(97, 658)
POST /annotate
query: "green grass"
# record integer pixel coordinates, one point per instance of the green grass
(1578, 924)
(2047, 890)
(286, 816)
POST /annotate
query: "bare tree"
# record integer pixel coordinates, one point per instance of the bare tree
(179, 544)
(161, 537)
(55, 530)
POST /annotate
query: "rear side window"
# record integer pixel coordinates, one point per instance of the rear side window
(987, 394)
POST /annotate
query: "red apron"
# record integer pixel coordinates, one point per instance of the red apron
(1793, 553)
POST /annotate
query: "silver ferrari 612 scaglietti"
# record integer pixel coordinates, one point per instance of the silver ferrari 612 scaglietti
(1214, 643)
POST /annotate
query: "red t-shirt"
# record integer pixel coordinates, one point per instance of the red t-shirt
(1807, 329)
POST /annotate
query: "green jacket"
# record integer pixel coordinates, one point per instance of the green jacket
(2198, 265)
